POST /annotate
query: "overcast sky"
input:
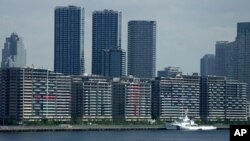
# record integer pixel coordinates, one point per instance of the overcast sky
(186, 29)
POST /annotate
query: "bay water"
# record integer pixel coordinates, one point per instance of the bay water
(145, 135)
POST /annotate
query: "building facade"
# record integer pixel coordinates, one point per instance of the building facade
(172, 96)
(142, 48)
(69, 40)
(14, 53)
(106, 40)
(131, 99)
(207, 65)
(33, 94)
(91, 98)
(222, 99)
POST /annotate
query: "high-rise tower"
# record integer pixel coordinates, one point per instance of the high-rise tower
(69, 40)
(226, 59)
(142, 48)
(106, 44)
(243, 47)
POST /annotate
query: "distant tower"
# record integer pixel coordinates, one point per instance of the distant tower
(14, 53)
(142, 48)
(226, 59)
(69, 40)
(108, 59)
(220, 58)
(207, 65)
(170, 72)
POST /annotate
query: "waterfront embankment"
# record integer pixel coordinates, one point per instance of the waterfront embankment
(82, 128)
(76, 128)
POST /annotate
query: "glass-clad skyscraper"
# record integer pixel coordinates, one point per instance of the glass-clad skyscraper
(14, 53)
(141, 48)
(108, 59)
(69, 40)
(243, 46)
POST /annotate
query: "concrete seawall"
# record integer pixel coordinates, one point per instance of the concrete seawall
(79, 128)
(57, 128)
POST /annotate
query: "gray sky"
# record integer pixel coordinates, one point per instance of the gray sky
(186, 29)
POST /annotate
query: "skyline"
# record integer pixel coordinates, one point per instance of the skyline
(209, 21)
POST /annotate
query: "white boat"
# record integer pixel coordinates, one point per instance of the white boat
(187, 124)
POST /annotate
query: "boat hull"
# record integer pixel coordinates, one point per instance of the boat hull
(190, 128)
(170, 126)
(208, 127)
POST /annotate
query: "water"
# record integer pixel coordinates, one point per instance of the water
(160, 135)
